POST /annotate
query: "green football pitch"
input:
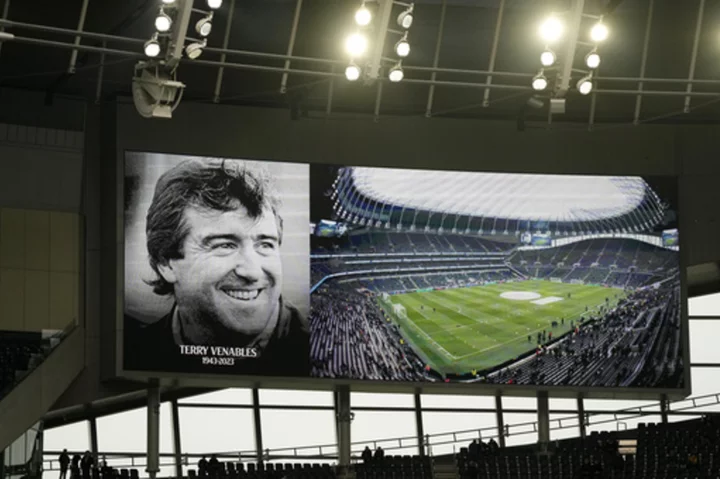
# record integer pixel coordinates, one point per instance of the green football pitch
(464, 329)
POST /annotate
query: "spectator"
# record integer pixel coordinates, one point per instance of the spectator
(203, 467)
(86, 464)
(367, 455)
(214, 466)
(75, 466)
(64, 461)
(493, 445)
(474, 449)
(379, 455)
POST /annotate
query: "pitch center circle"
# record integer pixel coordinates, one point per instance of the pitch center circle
(520, 295)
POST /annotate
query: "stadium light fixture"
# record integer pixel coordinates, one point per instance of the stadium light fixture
(214, 4)
(405, 19)
(356, 45)
(152, 46)
(168, 2)
(402, 47)
(585, 85)
(539, 82)
(204, 26)
(163, 22)
(548, 58)
(396, 73)
(599, 32)
(352, 72)
(195, 49)
(551, 29)
(592, 60)
(363, 17)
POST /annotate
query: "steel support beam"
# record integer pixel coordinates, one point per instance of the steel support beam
(664, 406)
(258, 425)
(179, 32)
(101, 75)
(81, 27)
(643, 61)
(5, 13)
(419, 423)
(153, 428)
(593, 105)
(378, 101)
(177, 444)
(93, 435)
(543, 414)
(581, 415)
(493, 53)
(343, 418)
(499, 419)
(436, 60)
(573, 19)
(291, 45)
(377, 44)
(331, 91)
(693, 56)
(223, 56)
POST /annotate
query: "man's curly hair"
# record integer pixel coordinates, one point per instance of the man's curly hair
(221, 185)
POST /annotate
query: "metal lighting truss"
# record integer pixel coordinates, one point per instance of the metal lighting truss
(481, 203)
(79, 40)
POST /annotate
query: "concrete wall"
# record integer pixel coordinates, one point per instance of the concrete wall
(39, 269)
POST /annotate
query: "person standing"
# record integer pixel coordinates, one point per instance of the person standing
(64, 461)
(86, 464)
(75, 466)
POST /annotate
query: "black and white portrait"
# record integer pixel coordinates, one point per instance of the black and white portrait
(216, 265)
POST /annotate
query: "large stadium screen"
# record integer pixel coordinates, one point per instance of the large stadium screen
(437, 277)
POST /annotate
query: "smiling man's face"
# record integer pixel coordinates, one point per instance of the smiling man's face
(230, 274)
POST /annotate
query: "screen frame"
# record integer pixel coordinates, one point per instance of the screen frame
(132, 134)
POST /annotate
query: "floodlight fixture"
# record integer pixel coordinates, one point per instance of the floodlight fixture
(599, 32)
(163, 22)
(402, 47)
(592, 60)
(204, 26)
(352, 72)
(156, 93)
(195, 49)
(214, 4)
(548, 58)
(356, 45)
(405, 19)
(585, 85)
(363, 17)
(152, 46)
(396, 73)
(539, 82)
(551, 29)
(168, 2)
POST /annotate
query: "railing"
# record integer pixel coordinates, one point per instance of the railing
(328, 452)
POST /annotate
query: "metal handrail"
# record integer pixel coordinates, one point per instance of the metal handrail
(329, 451)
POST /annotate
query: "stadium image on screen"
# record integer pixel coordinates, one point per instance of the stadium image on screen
(496, 278)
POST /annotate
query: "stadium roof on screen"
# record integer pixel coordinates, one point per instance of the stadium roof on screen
(512, 196)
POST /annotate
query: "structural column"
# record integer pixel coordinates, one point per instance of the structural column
(177, 445)
(543, 411)
(664, 409)
(419, 423)
(581, 415)
(92, 431)
(500, 420)
(153, 428)
(343, 417)
(258, 425)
